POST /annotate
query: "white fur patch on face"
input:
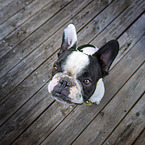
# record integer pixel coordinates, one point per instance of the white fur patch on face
(53, 82)
(75, 95)
(89, 50)
(75, 63)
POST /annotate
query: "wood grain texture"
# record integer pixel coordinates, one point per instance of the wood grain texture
(25, 116)
(20, 17)
(9, 8)
(21, 33)
(4, 3)
(130, 127)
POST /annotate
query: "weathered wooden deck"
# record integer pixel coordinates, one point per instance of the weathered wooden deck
(30, 35)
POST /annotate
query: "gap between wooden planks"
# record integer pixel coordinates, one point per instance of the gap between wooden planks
(141, 138)
(29, 18)
(129, 128)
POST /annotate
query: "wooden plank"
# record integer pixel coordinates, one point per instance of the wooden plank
(99, 23)
(39, 35)
(42, 16)
(82, 115)
(141, 139)
(45, 50)
(20, 17)
(11, 8)
(130, 127)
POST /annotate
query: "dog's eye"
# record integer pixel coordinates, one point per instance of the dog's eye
(87, 82)
(55, 68)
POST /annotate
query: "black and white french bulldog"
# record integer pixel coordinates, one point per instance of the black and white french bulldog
(78, 72)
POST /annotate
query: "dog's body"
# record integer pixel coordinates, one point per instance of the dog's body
(77, 74)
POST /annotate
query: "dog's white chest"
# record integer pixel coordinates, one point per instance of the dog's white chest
(99, 92)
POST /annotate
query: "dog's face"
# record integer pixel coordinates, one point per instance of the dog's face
(77, 70)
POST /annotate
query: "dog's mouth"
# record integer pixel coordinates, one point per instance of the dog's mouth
(61, 97)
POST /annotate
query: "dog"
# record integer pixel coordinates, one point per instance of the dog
(78, 73)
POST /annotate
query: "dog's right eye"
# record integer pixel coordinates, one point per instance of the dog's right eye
(87, 81)
(55, 68)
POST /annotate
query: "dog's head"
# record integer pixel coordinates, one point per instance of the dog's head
(77, 70)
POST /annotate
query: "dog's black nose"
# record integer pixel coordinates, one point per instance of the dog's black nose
(64, 83)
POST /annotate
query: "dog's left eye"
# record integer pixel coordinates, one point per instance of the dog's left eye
(87, 82)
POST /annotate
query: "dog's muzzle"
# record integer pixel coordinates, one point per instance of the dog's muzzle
(65, 88)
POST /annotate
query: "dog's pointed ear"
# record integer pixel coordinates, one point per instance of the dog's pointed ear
(69, 39)
(106, 55)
